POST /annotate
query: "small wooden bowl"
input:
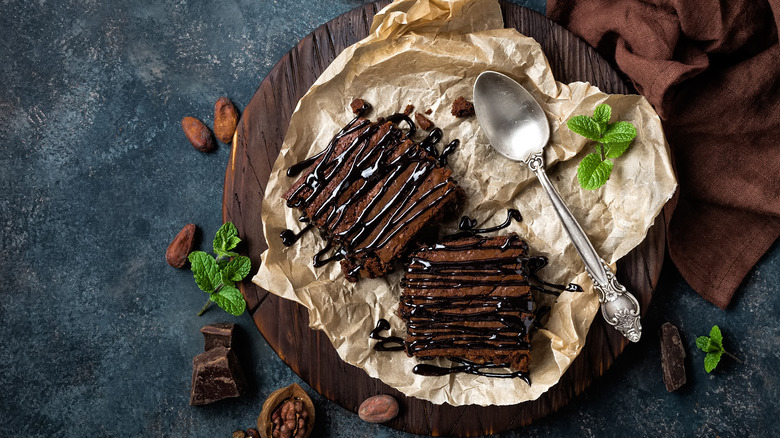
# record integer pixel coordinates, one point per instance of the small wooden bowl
(264, 423)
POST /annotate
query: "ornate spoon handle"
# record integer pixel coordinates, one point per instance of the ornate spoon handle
(619, 308)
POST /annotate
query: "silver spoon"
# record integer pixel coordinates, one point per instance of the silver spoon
(518, 129)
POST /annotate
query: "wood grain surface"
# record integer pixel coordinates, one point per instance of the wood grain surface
(284, 324)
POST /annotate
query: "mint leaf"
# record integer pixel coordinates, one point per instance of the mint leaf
(619, 132)
(716, 335)
(205, 270)
(714, 347)
(614, 150)
(592, 173)
(230, 300)
(218, 276)
(601, 116)
(585, 126)
(225, 279)
(240, 267)
(225, 240)
(235, 270)
(711, 361)
(612, 140)
(703, 343)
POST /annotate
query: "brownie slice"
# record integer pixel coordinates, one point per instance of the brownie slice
(370, 193)
(469, 298)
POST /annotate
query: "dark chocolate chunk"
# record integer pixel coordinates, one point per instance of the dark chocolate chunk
(409, 109)
(462, 108)
(216, 375)
(218, 335)
(428, 111)
(672, 357)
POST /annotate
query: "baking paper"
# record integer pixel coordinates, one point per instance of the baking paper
(428, 53)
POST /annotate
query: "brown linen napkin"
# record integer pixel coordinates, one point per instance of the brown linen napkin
(711, 69)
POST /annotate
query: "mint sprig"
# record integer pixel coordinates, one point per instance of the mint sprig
(612, 140)
(713, 346)
(217, 276)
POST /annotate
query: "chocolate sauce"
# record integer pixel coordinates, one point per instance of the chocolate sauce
(469, 368)
(319, 261)
(289, 237)
(429, 144)
(386, 343)
(467, 224)
(450, 148)
(365, 170)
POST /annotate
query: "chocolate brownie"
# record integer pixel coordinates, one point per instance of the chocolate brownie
(370, 192)
(469, 298)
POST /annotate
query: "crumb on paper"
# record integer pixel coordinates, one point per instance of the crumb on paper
(425, 123)
(462, 108)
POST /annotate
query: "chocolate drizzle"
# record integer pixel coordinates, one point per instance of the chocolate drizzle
(469, 368)
(467, 224)
(386, 343)
(289, 237)
(347, 190)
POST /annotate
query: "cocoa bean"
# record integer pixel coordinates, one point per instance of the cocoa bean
(378, 409)
(198, 134)
(181, 246)
(225, 119)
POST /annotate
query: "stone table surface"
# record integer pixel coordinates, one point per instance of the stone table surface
(97, 332)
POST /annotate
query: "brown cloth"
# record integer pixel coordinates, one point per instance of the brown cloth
(711, 69)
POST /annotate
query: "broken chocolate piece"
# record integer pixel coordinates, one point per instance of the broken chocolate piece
(218, 335)
(672, 357)
(216, 375)
(425, 123)
(409, 109)
(462, 108)
(428, 111)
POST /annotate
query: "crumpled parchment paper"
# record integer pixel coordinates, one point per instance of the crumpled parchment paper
(428, 53)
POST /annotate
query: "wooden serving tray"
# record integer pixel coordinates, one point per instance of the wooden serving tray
(284, 324)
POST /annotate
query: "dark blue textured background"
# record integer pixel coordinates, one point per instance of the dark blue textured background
(97, 333)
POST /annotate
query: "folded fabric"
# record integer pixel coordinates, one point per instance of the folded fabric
(711, 69)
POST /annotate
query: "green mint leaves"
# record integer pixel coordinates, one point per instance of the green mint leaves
(612, 141)
(225, 240)
(592, 172)
(713, 346)
(218, 276)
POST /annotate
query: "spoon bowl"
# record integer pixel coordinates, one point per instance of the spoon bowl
(510, 116)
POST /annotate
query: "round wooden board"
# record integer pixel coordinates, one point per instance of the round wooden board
(284, 324)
